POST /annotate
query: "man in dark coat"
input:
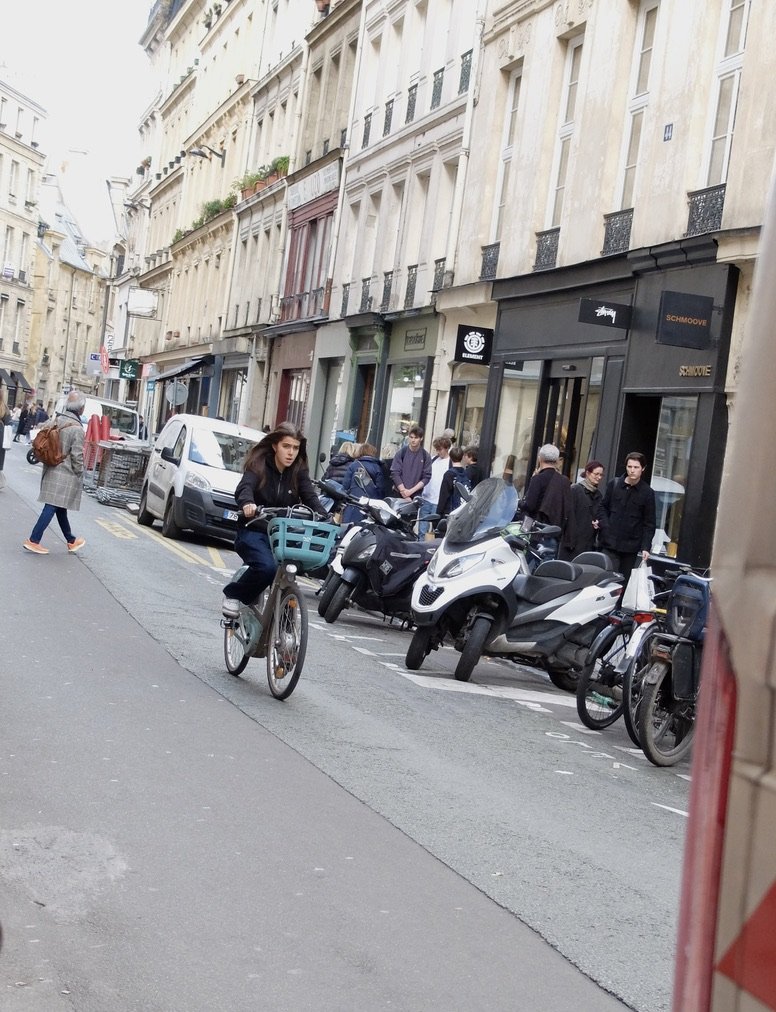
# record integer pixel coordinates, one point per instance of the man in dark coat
(629, 508)
(548, 495)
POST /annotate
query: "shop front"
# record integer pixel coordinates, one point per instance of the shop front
(408, 374)
(635, 362)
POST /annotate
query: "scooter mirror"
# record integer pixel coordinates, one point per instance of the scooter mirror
(322, 457)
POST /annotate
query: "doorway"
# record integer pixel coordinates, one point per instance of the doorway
(567, 412)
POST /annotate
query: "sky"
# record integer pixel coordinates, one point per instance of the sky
(81, 62)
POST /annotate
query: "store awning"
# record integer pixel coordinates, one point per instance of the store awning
(20, 381)
(190, 365)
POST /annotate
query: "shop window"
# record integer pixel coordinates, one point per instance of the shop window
(516, 414)
(405, 396)
(668, 475)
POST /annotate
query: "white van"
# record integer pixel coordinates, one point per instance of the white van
(124, 422)
(189, 484)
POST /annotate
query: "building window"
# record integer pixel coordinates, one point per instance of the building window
(507, 151)
(466, 73)
(412, 97)
(566, 130)
(732, 45)
(436, 90)
(367, 129)
(642, 65)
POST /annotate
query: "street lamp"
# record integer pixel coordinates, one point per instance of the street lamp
(203, 153)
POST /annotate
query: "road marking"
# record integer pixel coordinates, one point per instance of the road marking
(526, 697)
(677, 811)
(579, 728)
(116, 529)
(171, 546)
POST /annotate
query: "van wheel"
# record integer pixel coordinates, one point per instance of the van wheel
(169, 528)
(144, 518)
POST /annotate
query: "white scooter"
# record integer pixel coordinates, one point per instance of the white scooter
(480, 591)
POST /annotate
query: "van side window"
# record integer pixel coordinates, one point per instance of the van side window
(179, 443)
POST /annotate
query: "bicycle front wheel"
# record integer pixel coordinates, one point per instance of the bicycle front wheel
(288, 643)
(667, 725)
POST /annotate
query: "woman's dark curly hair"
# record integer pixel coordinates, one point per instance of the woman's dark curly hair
(261, 452)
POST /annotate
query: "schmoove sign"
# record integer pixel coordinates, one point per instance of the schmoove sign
(685, 320)
(473, 344)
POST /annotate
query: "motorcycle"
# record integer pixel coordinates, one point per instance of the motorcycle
(479, 590)
(379, 560)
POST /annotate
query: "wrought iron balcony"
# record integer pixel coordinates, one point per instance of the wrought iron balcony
(546, 249)
(436, 90)
(388, 117)
(412, 98)
(412, 279)
(705, 210)
(345, 295)
(439, 275)
(466, 73)
(617, 230)
(302, 305)
(489, 261)
(385, 303)
(366, 297)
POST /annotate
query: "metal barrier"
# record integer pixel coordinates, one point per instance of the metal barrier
(113, 470)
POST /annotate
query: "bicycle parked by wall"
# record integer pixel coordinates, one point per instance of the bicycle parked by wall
(275, 626)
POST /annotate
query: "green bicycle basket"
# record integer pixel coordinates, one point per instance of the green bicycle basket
(307, 543)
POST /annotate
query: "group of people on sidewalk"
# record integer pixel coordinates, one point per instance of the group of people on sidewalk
(61, 484)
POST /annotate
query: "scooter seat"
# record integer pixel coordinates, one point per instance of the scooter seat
(555, 578)
(600, 560)
(558, 569)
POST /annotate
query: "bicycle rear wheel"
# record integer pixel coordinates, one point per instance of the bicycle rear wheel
(633, 685)
(599, 689)
(288, 643)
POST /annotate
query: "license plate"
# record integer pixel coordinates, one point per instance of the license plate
(231, 515)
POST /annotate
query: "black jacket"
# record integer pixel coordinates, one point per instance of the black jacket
(586, 506)
(277, 491)
(548, 499)
(630, 516)
(338, 465)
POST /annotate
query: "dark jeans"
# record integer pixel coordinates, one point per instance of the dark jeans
(253, 548)
(46, 516)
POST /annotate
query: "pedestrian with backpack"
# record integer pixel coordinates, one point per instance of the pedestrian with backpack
(411, 467)
(440, 465)
(449, 496)
(61, 484)
(373, 483)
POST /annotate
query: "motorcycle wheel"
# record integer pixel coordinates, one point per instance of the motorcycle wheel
(564, 678)
(472, 650)
(31, 458)
(599, 688)
(328, 589)
(419, 648)
(666, 725)
(339, 599)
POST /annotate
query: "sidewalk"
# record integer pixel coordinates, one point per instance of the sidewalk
(160, 851)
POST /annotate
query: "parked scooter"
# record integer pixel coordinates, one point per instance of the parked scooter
(480, 591)
(379, 562)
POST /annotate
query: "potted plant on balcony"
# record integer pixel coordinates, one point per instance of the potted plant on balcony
(280, 165)
(246, 184)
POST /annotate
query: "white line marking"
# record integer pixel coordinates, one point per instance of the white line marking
(579, 728)
(363, 650)
(528, 697)
(677, 811)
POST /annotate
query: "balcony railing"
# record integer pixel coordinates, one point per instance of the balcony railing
(302, 305)
(436, 90)
(546, 249)
(412, 280)
(705, 210)
(366, 297)
(345, 296)
(466, 73)
(412, 98)
(439, 275)
(385, 302)
(388, 117)
(489, 261)
(617, 230)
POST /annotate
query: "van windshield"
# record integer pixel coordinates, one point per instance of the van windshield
(223, 450)
(122, 419)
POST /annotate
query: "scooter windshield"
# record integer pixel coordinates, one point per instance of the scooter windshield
(493, 505)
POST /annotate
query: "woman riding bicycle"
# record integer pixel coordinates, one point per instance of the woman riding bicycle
(275, 474)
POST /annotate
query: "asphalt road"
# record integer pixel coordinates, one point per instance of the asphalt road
(382, 839)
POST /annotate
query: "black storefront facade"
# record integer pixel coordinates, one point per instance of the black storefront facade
(620, 354)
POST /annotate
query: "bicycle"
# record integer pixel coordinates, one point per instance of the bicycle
(275, 626)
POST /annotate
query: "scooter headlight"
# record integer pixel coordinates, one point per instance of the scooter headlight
(366, 553)
(461, 565)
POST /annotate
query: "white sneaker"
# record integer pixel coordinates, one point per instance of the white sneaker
(230, 608)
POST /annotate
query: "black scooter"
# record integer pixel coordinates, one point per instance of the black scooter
(380, 561)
